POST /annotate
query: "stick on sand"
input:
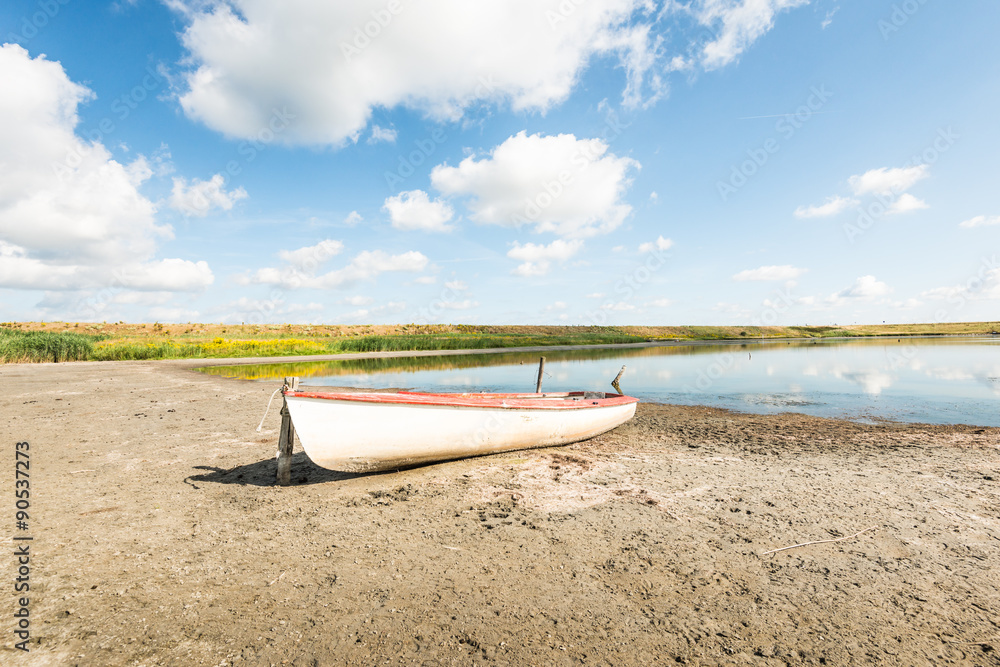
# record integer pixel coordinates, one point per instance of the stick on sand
(805, 544)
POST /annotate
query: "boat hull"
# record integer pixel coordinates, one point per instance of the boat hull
(374, 432)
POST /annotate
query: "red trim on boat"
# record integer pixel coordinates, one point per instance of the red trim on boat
(573, 400)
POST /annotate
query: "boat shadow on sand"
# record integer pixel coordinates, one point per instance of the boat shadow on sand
(264, 473)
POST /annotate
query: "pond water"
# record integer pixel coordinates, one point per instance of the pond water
(944, 381)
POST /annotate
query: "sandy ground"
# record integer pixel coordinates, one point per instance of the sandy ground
(160, 539)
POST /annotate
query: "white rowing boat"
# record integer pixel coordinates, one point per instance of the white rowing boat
(366, 432)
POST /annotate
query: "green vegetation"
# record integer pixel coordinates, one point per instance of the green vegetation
(61, 341)
(216, 348)
(476, 341)
(32, 346)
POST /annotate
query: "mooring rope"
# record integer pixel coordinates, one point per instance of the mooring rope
(268, 407)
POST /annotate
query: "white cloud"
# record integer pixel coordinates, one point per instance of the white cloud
(731, 309)
(177, 315)
(829, 18)
(738, 24)
(560, 184)
(660, 303)
(71, 216)
(980, 221)
(310, 257)
(356, 301)
(833, 206)
(19, 271)
(167, 274)
(370, 313)
(142, 298)
(268, 310)
(61, 196)
(537, 259)
(865, 287)
(531, 269)
(426, 280)
(906, 203)
(387, 135)
(457, 285)
(985, 285)
(619, 306)
(313, 63)
(783, 272)
(366, 265)
(660, 244)
(200, 197)
(413, 210)
(353, 218)
(885, 181)
(595, 295)
(466, 304)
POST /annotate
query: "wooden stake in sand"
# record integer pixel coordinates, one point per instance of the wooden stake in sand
(286, 436)
(614, 383)
(805, 544)
(541, 371)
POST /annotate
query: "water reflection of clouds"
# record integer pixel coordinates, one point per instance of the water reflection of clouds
(990, 378)
(871, 381)
(950, 374)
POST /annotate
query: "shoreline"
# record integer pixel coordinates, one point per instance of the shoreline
(205, 362)
(160, 537)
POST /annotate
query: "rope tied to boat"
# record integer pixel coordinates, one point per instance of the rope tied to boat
(261, 425)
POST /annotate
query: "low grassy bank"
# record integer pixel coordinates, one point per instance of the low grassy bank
(61, 341)
(37, 346)
(18, 345)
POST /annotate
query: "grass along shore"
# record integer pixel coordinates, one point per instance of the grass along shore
(82, 341)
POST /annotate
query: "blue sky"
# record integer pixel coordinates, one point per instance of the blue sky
(524, 162)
